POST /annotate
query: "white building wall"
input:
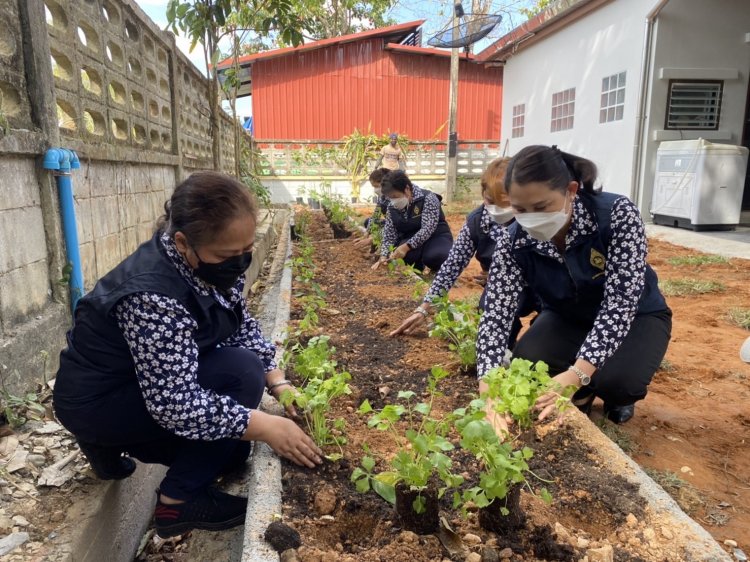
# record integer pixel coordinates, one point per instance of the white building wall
(697, 39)
(605, 42)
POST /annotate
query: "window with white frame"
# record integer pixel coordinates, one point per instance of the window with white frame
(563, 108)
(694, 104)
(613, 98)
(519, 118)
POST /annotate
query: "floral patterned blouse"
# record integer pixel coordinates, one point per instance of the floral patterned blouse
(159, 333)
(459, 257)
(430, 219)
(624, 282)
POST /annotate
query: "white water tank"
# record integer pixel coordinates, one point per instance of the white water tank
(699, 184)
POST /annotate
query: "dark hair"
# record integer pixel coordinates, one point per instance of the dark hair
(493, 180)
(395, 180)
(204, 204)
(539, 163)
(377, 175)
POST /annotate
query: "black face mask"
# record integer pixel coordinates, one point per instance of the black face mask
(224, 274)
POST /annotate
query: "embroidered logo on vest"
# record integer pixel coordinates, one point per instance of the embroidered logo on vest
(598, 261)
(416, 212)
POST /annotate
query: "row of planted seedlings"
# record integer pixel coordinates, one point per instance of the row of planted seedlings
(311, 357)
(426, 441)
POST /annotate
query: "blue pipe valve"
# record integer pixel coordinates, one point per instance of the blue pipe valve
(61, 161)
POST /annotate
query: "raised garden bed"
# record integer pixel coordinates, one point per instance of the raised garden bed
(602, 505)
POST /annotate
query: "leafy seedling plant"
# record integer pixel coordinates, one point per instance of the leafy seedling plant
(457, 322)
(422, 447)
(314, 402)
(503, 467)
(514, 390)
(17, 410)
(322, 383)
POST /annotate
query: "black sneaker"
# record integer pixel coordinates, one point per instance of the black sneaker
(108, 463)
(210, 510)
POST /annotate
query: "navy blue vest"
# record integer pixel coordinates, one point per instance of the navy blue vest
(483, 244)
(408, 226)
(97, 359)
(575, 289)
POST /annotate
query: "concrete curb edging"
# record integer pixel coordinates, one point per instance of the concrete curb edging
(264, 484)
(698, 544)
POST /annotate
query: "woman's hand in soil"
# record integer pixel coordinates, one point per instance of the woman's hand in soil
(400, 252)
(377, 264)
(365, 242)
(413, 323)
(285, 437)
(548, 401)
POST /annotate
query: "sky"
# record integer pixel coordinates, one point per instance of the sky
(436, 12)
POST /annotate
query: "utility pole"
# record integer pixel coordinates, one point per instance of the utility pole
(450, 177)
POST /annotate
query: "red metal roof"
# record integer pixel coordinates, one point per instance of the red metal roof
(399, 31)
(429, 51)
(511, 41)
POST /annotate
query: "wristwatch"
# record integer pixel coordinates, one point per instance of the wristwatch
(583, 378)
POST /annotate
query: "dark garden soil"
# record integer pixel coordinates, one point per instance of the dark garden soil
(593, 509)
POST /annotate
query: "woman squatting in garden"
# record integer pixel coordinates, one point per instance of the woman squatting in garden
(380, 210)
(604, 326)
(165, 364)
(415, 225)
(475, 239)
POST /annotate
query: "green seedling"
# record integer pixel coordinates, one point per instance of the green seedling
(514, 390)
(314, 402)
(314, 360)
(422, 446)
(457, 322)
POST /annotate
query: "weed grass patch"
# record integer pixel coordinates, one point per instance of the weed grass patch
(701, 259)
(740, 316)
(687, 287)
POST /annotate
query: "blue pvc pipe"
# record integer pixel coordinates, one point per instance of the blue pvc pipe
(62, 161)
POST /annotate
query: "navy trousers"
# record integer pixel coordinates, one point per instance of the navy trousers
(432, 253)
(121, 422)
(624, 377)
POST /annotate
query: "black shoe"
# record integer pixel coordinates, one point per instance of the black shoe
(584, 404)
(619, 414)
(210, 510)
(108, 463)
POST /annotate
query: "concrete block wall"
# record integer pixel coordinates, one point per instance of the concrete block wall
(99, 77)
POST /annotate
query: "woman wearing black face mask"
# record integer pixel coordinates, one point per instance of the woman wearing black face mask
(165, 364)
(604, 326)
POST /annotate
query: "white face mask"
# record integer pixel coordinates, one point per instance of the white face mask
(499, 214)
(400, 203)
(377, 191)
(543, 226)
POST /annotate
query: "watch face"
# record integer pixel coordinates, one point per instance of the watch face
(585, 380)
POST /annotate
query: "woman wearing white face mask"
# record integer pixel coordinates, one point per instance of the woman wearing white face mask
(476, 239)
(415, 226)
(604, 326)
(379, 212)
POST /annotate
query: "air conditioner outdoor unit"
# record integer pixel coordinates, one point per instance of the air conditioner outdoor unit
(699, 185)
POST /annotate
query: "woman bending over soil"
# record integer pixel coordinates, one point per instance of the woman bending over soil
(166, 365)
(604, 326)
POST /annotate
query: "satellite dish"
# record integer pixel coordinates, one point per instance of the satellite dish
(469, 31)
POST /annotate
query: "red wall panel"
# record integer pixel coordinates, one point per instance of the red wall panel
(326, 93)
